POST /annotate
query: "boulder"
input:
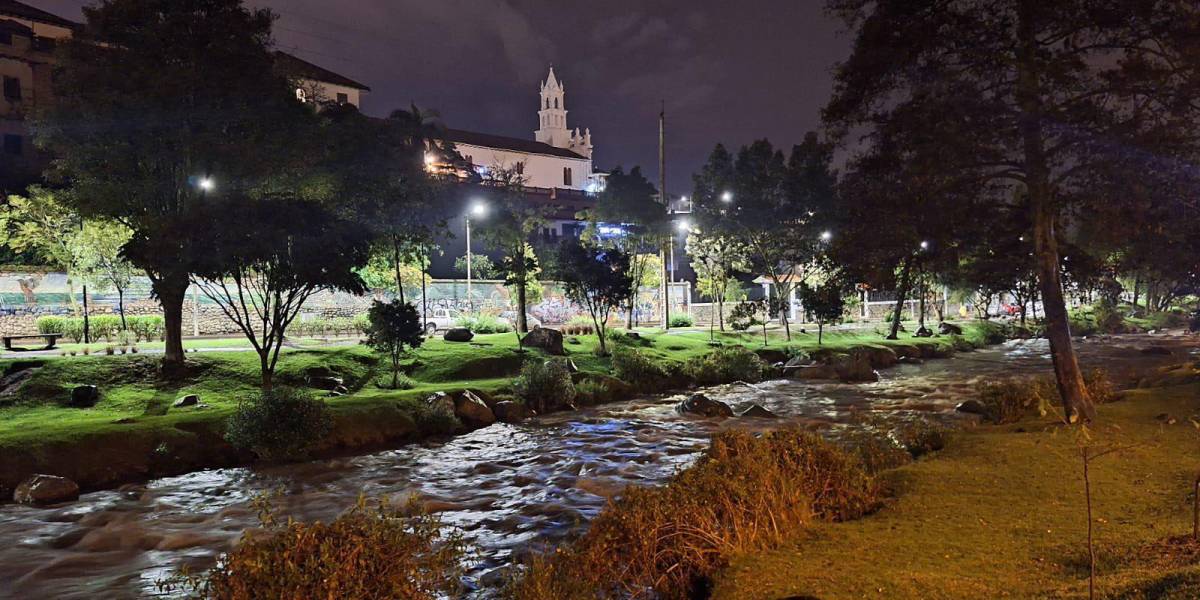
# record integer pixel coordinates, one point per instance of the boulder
(550, 340)
(46, 489)
(326, 382)
(699, 404)
(633, 335)
(757, 412)
(509, 411)
(85, 396)
(945, 328)
(855, 367)
(186, 400)
(772, 355)
(906, 351)
(923, 332)
(472, 410)
(458, 334)
(796, 362)
(441, 401)
(971, 407)
(813, 372)
(881, 357)
(571, 366)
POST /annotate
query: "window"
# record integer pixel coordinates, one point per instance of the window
(342, 98)
(566, 175)
(556, 103)
(300, 95)
(520, 168)
(547, 103)
(13, 144)
(12, 88)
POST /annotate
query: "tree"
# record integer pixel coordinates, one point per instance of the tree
(513, 219)
(159, 107)
(482, 267)
(629, 206)
(1056, 100)
(716, 259)
(395, 328)
(40, 224)
(271, 255)
(596, 278)
(825, 301)
(97, 250)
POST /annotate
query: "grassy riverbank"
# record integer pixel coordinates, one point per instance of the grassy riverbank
(134, 431)
(1001, 513)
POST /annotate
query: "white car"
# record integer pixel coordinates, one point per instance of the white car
(441, 319)
(510, 317)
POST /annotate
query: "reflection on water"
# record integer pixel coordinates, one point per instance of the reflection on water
(509, 488)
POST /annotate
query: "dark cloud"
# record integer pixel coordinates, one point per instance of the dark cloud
(728, 71)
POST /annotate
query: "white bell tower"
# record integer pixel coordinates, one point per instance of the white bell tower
(552, 114)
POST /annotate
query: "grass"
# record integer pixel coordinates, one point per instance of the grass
(1000, 513)
(135, 401)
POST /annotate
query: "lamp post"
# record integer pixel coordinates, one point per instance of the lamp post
(479, 209)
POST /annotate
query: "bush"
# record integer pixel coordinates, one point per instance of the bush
(579, 325)
(545, 385)
(682, 321)
(403, 382)
(280, 424)
(590, 391)
(875, 451)
(146, 328)
(483, 324)
(437, 419)
(743, 316)
(104, 326)
(920, 437)
(745, 494)
(726, 365)
(73, 328)
(51, 324)
(1108, 318)
(636, 368)
(361, 324)
(368, 552)
(1010, 401)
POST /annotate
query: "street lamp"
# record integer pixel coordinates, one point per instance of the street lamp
(727, 197)
(826, 235)
(206, 184)
(479, 210)
(924, 245)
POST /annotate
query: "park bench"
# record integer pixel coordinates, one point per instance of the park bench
(51, 339)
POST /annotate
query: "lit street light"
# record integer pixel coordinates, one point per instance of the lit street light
(727, 197)
(924, 245)
(826, 235)
(206, 184)
(478, 209)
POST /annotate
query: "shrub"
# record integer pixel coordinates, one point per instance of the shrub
(1100, 386)
(1108, 318)
(280, 424)
(104, 326)
(590, 391)
(579, 325)
(876, 451)
(483, 324)
(742, 317)
(395, 328)
(403, 382)
(620, 336)
(1010, 400)
(51, 324)
(920, 437)
(725, 365)
(73, 328)
(368, 552)
(745, 494)
(545, 385)
(635, 368)
(437, 419)
(147, 327)
(682, 321)
(361, 324)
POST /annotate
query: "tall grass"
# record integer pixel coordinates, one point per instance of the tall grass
(746, 493)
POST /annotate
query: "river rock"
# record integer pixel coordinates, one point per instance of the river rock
(326, 382)
(855, 367)
(699, 404)
(881, 357)
(46, 489)
(508, 411)
(923, 332)
(550, 340)
(971, 407)
(186, 400)
(756, 411)
(85, 396)
(458, 334)
(441, 402)
(815, 372)
(945, 328)
(472, 410)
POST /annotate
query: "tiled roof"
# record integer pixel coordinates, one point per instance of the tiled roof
(12, 8)
(488, 140)
(299, 67)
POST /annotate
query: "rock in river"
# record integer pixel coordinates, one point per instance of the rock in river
(46, 489)
(758, 412)
(699, 404)
(971, 407)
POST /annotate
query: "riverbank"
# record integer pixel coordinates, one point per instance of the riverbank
(1001, 512)
(134, 432)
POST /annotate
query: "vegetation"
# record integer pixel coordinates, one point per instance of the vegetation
(375, 550)
(682, 321)
(746, 493)
(483, 323)
(395, 329)
(279, 424)
(597, 279)
(545, 385)
(725, 365)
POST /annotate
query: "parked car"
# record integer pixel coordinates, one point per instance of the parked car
(510, 317)
(441, 319)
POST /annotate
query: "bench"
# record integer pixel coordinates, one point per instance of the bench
(51, 339)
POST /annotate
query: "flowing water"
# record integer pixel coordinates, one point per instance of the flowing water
(511, 489)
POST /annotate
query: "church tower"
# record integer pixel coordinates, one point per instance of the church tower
(552, 120)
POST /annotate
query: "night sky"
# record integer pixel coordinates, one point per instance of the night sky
(729, 71)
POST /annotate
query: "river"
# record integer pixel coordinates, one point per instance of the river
(510, 489)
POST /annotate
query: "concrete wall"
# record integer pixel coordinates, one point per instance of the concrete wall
(541, 170)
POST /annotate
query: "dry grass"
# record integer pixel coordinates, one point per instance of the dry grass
(745, 494)
(1011, 400)
(375, 552)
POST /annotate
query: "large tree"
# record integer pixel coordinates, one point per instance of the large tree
(159, 105)
(1049, 98)
(641, 225)
(596, 278)
(511, 222)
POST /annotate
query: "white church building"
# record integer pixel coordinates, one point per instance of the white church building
(556, 158)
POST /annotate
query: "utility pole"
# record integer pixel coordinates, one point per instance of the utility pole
(662, 190)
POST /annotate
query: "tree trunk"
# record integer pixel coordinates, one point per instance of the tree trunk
(171, 290)
(721, 310)
(121, 307)
(396, 261)
(901, 293)
(424, 302)
(1136, 283)
(785, 305)
(522, 325)
(1077, 405)
(921, 307)
(267, 372)
(820, 332)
